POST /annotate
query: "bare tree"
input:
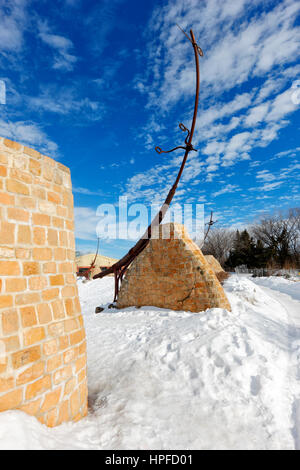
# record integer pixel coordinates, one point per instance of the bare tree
(219, 243)
(280, 233)
(294, 223)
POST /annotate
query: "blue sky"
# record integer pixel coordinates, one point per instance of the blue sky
(98, 84)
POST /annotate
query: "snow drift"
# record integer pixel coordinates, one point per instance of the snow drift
(160, 379)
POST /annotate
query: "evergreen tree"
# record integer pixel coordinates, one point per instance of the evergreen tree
(246, 252)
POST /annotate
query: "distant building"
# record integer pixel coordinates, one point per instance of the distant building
(83, 264)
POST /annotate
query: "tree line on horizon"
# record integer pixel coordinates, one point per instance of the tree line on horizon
(273, 242)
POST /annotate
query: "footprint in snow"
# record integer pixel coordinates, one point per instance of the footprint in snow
(255, 386)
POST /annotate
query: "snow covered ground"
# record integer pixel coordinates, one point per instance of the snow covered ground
(160, 379)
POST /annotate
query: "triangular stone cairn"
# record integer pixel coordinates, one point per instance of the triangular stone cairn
(171, 272)
(214, 264)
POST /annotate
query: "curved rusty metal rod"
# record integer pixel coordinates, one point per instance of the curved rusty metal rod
(86, 273)
(210, 224)
(159, 150)
(185, 129)
(187, 145)
(120, 266)
(94, 260)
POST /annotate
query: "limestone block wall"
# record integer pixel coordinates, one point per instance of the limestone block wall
(171, 272)
(42, 336)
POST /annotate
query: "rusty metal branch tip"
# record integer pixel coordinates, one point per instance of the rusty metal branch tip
(200, 51)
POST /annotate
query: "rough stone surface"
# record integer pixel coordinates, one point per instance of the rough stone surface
(214, 264)
(42, 337)
(101, 261)
(171, 272)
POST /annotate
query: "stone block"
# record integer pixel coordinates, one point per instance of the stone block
(171, 272)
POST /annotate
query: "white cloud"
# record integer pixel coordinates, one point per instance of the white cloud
(193, 168)
(281, 106)
(87, 192)
(270, 186)
(257, 114)
(229, 188)
(286, 172)
(88, 225)
(214, 147)
(280, 44)
(237, 148)
(236, 49)
(66, 100)
(217, 130)
(288, 153)
(238, 46)
(153, 185)
(265, 175)
(278, 80)
(85, 223)
(264, 123)
(63, 59)
(221, 110)
(30, 134)
(267, 187)
(12, 24)
(55, 41)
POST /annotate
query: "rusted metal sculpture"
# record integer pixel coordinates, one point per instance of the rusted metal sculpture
(121, 266)
(86, 271)
(209, 224)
